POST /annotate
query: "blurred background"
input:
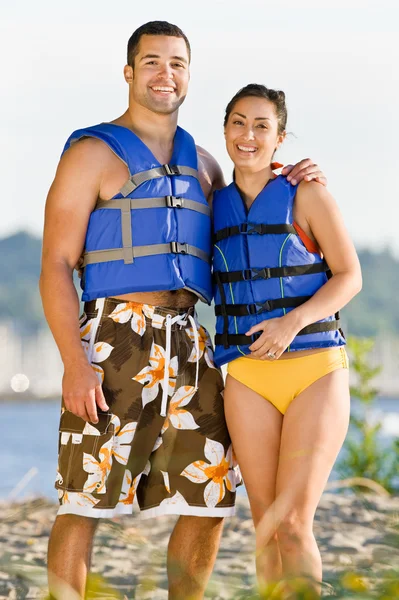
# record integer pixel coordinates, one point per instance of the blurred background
(62, 70)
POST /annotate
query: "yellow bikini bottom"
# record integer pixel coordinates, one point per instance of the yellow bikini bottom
(280, 381)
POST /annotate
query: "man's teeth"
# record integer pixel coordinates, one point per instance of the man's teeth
(159, 88)
(247, 148)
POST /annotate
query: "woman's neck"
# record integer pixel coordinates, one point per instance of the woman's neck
(251, 184)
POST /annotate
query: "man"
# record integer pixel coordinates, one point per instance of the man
(142, 406)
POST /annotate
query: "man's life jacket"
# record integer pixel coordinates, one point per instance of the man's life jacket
(155, 233)
(263, 270)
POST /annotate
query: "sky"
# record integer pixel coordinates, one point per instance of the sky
(62, 69)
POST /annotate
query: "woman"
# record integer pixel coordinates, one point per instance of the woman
(277, 303)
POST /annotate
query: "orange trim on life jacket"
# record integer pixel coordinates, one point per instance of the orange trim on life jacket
(309, 244)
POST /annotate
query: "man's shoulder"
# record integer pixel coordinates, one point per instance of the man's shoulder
(206, 157)
(87, 147)
(210, 168)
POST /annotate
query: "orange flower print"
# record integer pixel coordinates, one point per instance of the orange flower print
(85, 332)
(177, 415)
(79, 499)
(98, 469)
(165, 476)
(176, 500)
(129, 487)
(122, 439)
(218, 471)
(101, 351)
(151, 377)
(205, 345)
(136, 312)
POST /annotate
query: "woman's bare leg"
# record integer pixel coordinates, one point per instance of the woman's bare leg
(255, 429)
(314, 429)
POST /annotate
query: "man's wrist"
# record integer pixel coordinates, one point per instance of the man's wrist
(74, 360)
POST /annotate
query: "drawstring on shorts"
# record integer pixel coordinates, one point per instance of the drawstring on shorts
(182, 321)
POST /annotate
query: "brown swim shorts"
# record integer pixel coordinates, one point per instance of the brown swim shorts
(164, 439)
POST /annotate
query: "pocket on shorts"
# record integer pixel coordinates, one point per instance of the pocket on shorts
(89, 326)
(85, 453)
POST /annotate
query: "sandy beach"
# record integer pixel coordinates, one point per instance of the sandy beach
(355, 534)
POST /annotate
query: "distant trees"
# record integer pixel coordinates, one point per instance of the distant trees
(364, 454)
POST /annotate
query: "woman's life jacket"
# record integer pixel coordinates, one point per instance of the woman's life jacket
(262, 270)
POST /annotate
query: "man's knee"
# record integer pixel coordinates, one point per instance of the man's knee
(75, 525)
(201, 523)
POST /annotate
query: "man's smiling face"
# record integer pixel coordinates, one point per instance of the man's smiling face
(160, 73)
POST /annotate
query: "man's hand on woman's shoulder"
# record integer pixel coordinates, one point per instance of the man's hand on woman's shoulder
(304, 170)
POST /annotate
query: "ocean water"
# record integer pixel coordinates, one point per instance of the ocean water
(29, 438)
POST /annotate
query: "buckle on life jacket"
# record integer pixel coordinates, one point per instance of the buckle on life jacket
(174, 202)
(264, 273)
(172, 170)
(251, 228)
(178, 248)
(254, 274)
(248, 228)
(260, 307)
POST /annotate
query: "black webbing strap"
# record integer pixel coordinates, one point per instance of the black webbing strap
(164, 171)
(271, 272)
(253, 228)
(245, 340)
(100, 256)
(163, 202)
(337, 315)
(223, 313)
(242, 310)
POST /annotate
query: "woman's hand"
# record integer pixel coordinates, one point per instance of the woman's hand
(276, 337)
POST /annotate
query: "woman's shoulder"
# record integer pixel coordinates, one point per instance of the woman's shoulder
(310, 194)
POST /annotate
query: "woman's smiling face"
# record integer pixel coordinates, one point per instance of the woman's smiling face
(251, 133)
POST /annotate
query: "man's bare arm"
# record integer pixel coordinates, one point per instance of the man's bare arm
(211, 172)
(70, 201)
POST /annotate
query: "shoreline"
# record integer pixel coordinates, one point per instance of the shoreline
(359, 534)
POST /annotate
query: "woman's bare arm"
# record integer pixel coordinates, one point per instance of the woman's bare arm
(317, 211)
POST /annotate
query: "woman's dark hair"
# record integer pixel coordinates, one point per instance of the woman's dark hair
(260, 91)
(153, 28)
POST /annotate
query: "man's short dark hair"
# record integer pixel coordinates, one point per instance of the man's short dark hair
(153, 28)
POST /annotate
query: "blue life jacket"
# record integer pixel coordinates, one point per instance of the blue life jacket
(262, 270)
(155, 233)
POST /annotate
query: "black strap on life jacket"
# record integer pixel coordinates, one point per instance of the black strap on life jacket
(227, 340)
(271, 272)
(253, 228)
(223, 306)
(238, 310)
(243, 310)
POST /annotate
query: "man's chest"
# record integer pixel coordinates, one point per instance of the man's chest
(116, 174)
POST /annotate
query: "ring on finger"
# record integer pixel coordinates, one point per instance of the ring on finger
(271, 355)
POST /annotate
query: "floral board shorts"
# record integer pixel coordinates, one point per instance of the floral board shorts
(164, 439)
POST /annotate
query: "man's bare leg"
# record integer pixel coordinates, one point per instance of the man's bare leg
(69, 555)
(192, 551)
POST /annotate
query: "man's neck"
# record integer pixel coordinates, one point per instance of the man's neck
(156, 130)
